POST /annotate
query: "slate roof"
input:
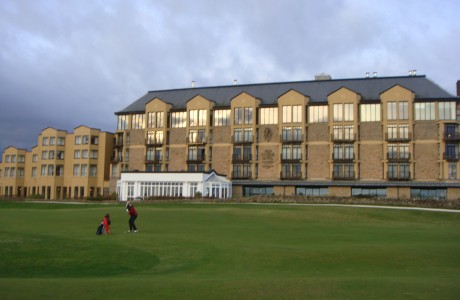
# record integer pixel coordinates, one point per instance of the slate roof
(317, 90)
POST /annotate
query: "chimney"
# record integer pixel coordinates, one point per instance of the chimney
(458, 88)
(235, 81)
(193, 83)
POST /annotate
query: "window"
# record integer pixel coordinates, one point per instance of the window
(85, 140)
(44, 154)
(268, 115)
(242, 115)
(84, 154)
(52, 141)
(197, 117)
(76, 154)
(76, 170)
(318, 114)
(178, 119)
(122, 122)
(312, 191)
(343, 112)
(77, 140)
(84, 169)
(34, 171)
(34, 158)
(424, 111)
(452, 170)
(257, 190)
(427, 193)
(247, 135)
(60, 141)
(92, 170)
(43, 170)
(21, 158)
(237, 135)
(397, 110)
(370, 112)
(51, 154)
(93, 154)
(59, 170)
(94, 140)
(447, 111)
(137, 121)
(45, 141)
(50, 170)
(222, 117)
(369, 192)
(155, 119)
(60, 155)
(292, 113)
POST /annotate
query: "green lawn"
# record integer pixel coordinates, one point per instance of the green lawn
(228, 251)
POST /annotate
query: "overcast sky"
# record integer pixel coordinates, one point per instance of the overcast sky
(70, 63)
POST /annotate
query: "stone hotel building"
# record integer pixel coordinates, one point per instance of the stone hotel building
(394, 137)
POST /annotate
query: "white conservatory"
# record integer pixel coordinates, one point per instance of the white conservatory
(147, 185)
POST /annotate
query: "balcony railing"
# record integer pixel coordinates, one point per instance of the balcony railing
(398, 137)
(154, 142)
(294, 159)
(400, 157)
(291, 175)
(239, 157)
(343, 158)
(343, 175)
(118, 143)
(153, 159)
(242, 175)
(291, 139)
(197, 140)
(398, 175)
(199, 158)
(343, 138)
(242, 140)
(450, 156)
(452, 137)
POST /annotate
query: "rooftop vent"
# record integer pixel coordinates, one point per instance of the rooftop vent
(323, 76)
(193, 83)
(412, 72)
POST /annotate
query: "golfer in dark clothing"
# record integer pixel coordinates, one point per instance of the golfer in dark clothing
(132, 216)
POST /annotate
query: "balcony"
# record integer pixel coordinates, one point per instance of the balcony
(197, 159)
(241, 140)
(154, 142)
(450, 156)
(343, 158)
(283, 158)
(291, 139)
(451, 137)
(343, 175)
(290, 176)
(154, 159)
(343, 138)
(197, 140)
(401, 157)
(241, 175)
(118, 143)
(241, 158)
(398, 176)
(398, 137)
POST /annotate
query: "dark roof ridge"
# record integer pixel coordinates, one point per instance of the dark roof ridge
(282, 82)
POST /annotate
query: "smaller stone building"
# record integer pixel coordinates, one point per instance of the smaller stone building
(148, 185)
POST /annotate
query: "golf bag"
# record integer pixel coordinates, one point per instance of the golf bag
(100, 229)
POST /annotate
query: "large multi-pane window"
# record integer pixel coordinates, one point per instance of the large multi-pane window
(291, 134)
(398, 132)
(242, 115)
(452, 170)
(291, 152)
(447, 110)
(427, 193)
(179, 119)
(345, 133)
(292, 113)
(343, 171)
(398, 151)
(155, 119)
(398, 171)
(242, 153)
(122, 122)
(137, 121)
(397, 110)
(247, 135)
(242, 170)
(291, 171)
(154, 154)
(237, 135)
(451, 152)
(222, 117)
(196, 153)
(312, 191)
(154, 137)
(369, 192)
(370, 112)
(197, 136)
(424, 111)
(198, 117)
(343, 112)
(268, 115)
(318, 114)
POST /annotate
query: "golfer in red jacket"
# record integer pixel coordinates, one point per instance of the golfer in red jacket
(106, 222)
(132, 216)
